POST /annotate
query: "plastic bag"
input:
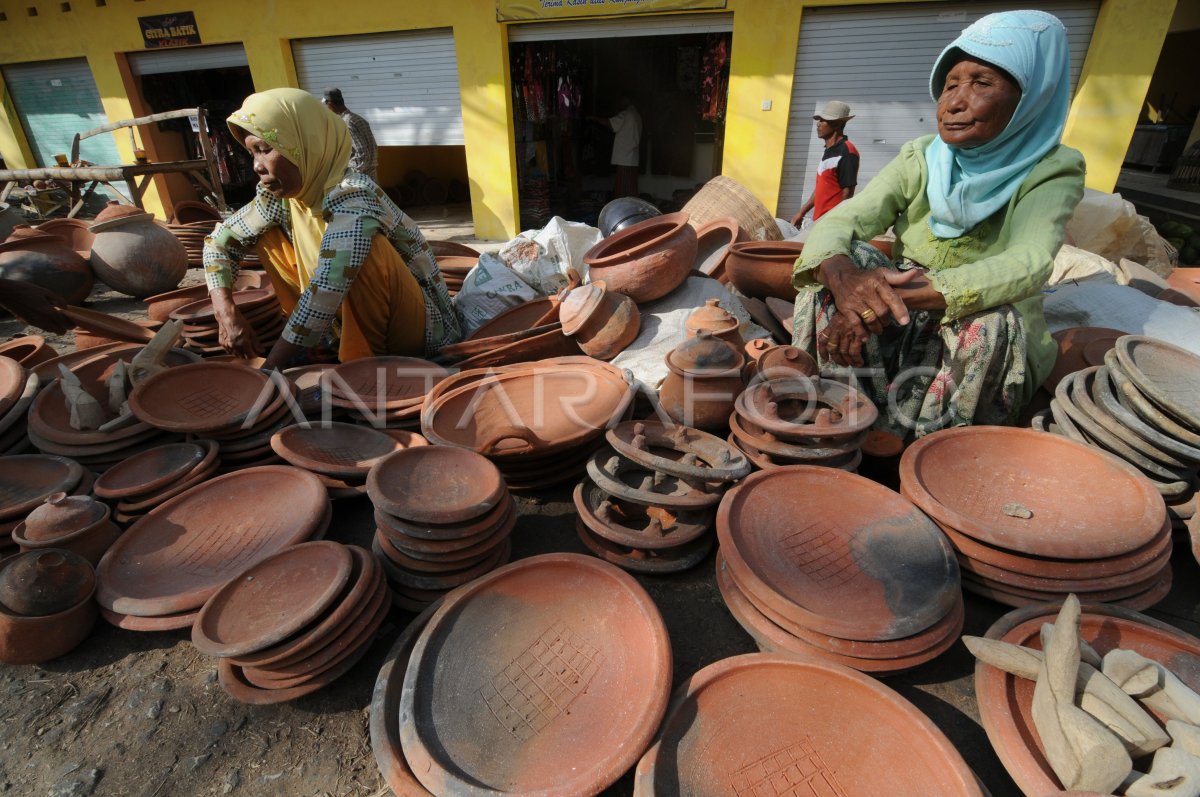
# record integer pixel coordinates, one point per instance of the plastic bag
(489, 289)
(543, 257)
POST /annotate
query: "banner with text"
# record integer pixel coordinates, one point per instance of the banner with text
(170, 30)
(511, 10)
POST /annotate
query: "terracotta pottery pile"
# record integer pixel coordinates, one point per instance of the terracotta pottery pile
(166, 565)
(76, 523)
(98, 362)
(135, 254)
(454, 270)
(704, 379)
(548, 676)
(647, 260)
(801, 421)
(95, 328)
(649, 502)
(191, 235)
(47, 260)
(538, 422)
(603, 322)
(762, 269)
(764, 724)
(28, 350)
(530, 331)
(826, 564)
(1034, 517)
(18, 387)
(137, 485)
(341, 454)
(294, 622)
(428, 547)
(258, 306)
(26, 480)
(384, 392)
(46, 606)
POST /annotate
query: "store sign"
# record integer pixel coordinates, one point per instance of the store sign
(170, 30)
(511, 10)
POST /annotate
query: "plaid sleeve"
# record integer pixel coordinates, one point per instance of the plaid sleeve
(223, 250)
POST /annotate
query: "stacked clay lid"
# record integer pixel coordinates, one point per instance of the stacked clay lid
(548, 676)
(443, 517)
(294, 622)
(340, 453)
(258, 306)
(46, 606)
(384, 391)
(144, 481)
(770, 724)
(76, 523)
(648, 502)
(168, 563)
(1034, 517)
(829, 565)
(798, 420)
(26, 481)
(18, 387)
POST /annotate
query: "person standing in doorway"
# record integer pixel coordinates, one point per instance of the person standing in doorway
(627, 138)
(837, 174)
(364, 156)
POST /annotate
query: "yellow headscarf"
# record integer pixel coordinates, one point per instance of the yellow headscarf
(309, 135)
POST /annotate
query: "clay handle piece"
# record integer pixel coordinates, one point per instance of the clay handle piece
(511, 433)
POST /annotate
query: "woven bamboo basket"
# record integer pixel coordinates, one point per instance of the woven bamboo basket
(1186, 174)
(723, 196)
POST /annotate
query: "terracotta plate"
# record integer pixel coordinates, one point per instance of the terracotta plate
(107, 325)
(26, 479)
(561, 673)
(176, 557)
(769, 724)
(340, 450)
(201, 397)
(981, 480)
(154, 469)
(1169, 375)
(435, 484)
(202, 311)
(385, 382)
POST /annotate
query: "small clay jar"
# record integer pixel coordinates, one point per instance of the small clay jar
(717, 320)
(134, 254)
(76, 523)
(32, 639)
(704, 382)
(603, 322)
(45, 583)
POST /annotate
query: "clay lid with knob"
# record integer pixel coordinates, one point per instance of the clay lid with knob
(705, 354)
(42, 583)
(63, 514)
(580, 305)
(116, 214)
(712, 317)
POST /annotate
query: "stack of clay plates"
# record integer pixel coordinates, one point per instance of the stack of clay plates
(444, 516)
(384, 392)
(192, 236)
(166, 565)
(455, 269)
(25, 482)
(239, 407)
(802, 421)
(144, 481)
(830, 565)
(341, 454)
(294, 622)
(1034, 517)
(258, 306)
(18, 387)
(649, 501)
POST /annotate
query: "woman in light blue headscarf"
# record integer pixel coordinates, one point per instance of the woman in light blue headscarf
(951, 331)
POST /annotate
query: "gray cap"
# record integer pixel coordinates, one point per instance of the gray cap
(834, 111)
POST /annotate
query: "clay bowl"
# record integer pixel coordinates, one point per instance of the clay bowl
(1078, 348)
(1005, 700)
(762, 269)
(736, 721)
(383, 383)
(27, 479)
(602, 646)
(602, 321)
(712, 245)
(645, 261)
(866, 565)
(467, 485)
(28, 350)
(73, 232)
(1084, 504)
(32, 640)
(200, 397)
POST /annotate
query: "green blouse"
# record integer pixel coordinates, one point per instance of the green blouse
(1006, 259)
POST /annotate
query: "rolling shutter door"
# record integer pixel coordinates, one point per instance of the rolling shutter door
(660, 25)
(187, 59)
(54, 101)
(878, 59)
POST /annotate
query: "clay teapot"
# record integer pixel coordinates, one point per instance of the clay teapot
(704, 382)
(45, 583)
(604, 322)
(717, 320)
(134, 254)
(45, 260)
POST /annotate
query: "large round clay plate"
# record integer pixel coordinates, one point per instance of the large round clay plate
(384, 382)
(1084, 504)
(340, 450)
(154, 469)
(26, 479)
(201, 397)
(1169, 375)
(769, 724)
(1005, 700)
(465, 484)
(202, 311)
(176, 557)
(546, 677)
(837, 553)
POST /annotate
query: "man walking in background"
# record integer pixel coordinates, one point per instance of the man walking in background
(363, 156)
(627, 138)
(837, 174)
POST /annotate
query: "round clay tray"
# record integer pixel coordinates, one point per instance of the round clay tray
(1168, 375)
(152, 470)
(1005, 700)
(26, 480)
(176, 557)
(200, 397)
(457, 549)
(166, 622)
(386, 382)
(1079, 347)
(447, 532)
(1082, 388)
(143, 503)
(107, 325)
(864, 564)
(635, 560)
(678, 450)
(245, 301)
(234, 682)
(562, 702)
(759, 723)
(403, 577)
(1105, 397)
(1085, 504)
(339, 450)
(435, 484)
(628, 523)
(426, 566)
(1139, 601)
(50, 418)
(1111, 595)
(1021, 580)
(273, 599)
(1133, 400)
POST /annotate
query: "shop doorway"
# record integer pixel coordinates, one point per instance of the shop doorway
(678, 82)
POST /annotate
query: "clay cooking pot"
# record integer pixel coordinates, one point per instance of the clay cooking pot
(646, 261)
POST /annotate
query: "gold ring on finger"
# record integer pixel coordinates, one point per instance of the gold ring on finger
(867, 315)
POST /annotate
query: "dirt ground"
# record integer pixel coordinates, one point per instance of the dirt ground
(142, 715)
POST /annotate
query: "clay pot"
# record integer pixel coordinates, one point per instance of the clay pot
(717, 321)
(46, 260)
(74, 232)
(704, 381)
(712, 246)
(646, 261)
(77, 523)
(136, 255)
(785, 362)
(32, 640)
(45, 583)
(28, 350)
(762, 269)
(602, 321)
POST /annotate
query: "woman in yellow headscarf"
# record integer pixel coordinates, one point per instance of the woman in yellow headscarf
(350, 268)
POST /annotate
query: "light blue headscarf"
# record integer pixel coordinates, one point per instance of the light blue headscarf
(967, 186)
